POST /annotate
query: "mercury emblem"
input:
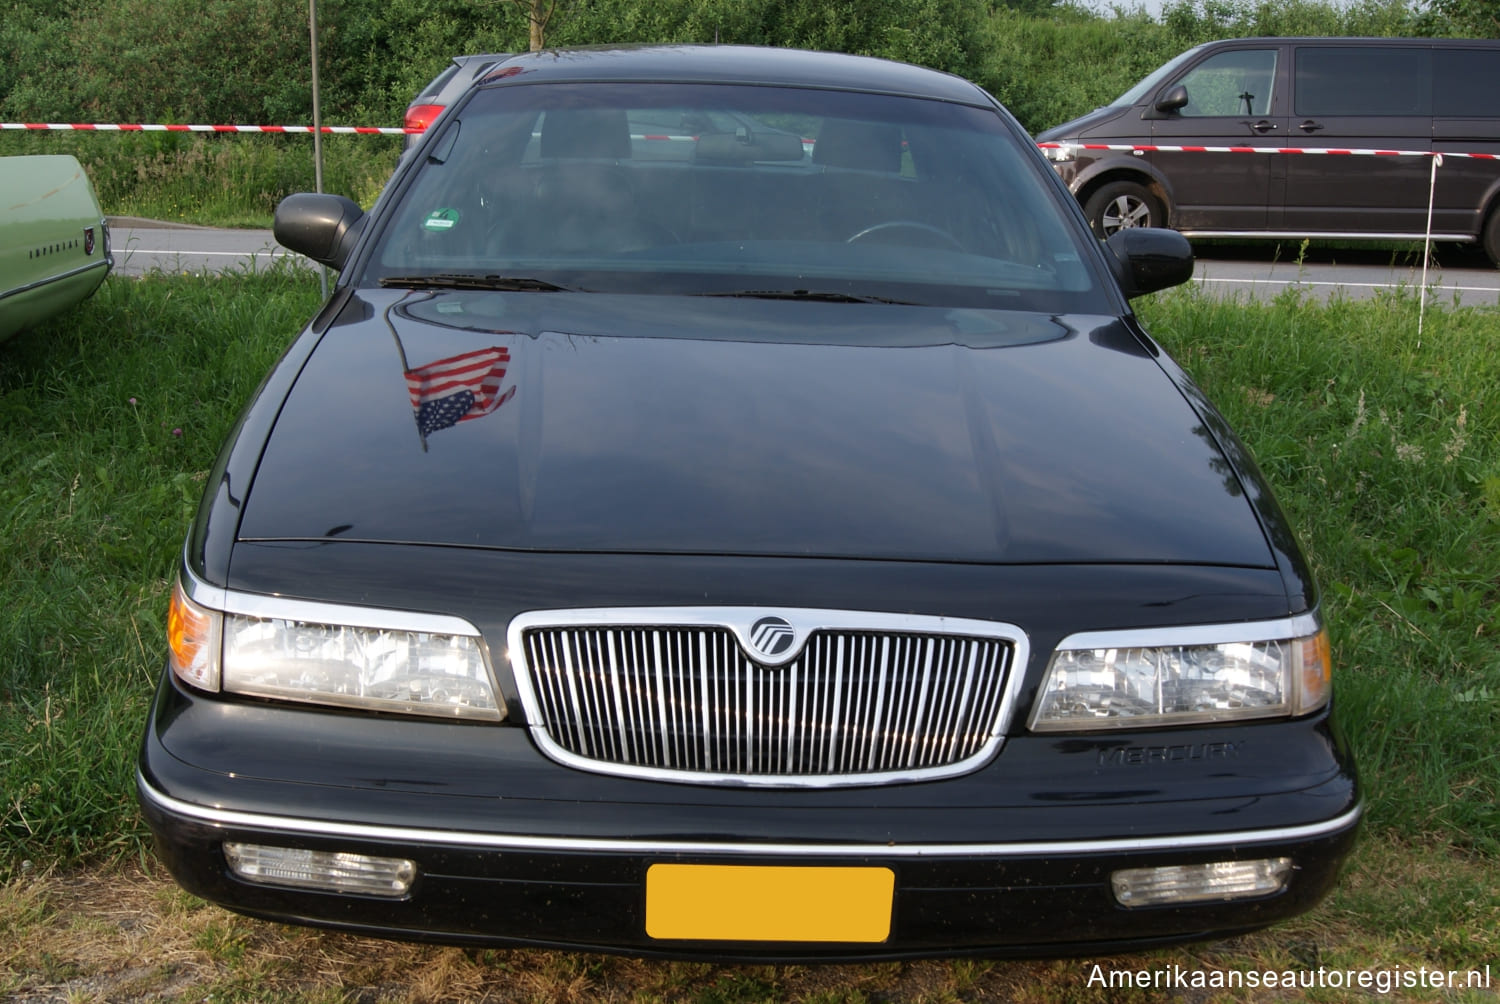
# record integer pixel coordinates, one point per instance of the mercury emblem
(771, 637)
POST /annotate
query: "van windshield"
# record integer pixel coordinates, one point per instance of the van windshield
(1154, 79)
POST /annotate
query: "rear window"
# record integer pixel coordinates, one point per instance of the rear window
(1466, 83)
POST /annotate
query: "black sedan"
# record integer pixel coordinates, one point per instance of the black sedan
(777, 544)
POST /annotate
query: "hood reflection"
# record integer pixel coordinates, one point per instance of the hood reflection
(1011, 437)
(458, 389)
(453, 389)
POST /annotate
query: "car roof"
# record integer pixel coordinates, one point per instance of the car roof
(736, 64)
(1353, 40)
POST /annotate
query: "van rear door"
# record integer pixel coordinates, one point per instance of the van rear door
(1359, 96)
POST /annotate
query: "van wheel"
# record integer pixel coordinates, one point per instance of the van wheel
(1120, 205)
(1492, 236)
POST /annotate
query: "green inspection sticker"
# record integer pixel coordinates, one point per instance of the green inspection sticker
(441, 219)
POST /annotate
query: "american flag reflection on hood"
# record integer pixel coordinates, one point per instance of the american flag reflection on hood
(457, 389)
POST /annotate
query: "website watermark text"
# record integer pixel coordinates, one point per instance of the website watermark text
(1380, 981)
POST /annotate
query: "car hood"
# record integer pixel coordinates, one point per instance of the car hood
(744, 426)
(1082, 125)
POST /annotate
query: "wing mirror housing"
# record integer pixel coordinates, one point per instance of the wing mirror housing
(1146, 259)
(1174, 100)
(322, 227)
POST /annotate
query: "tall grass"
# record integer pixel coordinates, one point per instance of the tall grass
(220, 179)
(109, 420)
(1383, 448)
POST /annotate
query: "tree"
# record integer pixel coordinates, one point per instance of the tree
(538, 13)
(1471, 18)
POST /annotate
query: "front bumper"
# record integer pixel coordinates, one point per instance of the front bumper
(590, 895)
(1013, 860)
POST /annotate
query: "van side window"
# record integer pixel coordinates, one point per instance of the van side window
(1363, 80)
(1465, 82)
(1231, 83)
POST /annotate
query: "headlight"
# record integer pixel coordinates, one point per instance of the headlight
(1182, 676)
(1059, 153)
(372, 660)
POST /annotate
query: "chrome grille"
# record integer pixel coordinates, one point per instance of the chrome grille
(855, 705)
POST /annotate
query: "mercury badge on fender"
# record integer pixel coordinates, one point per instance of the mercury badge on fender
(777, 544)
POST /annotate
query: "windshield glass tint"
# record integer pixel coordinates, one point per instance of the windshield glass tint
(1153, 79)
(710, 189)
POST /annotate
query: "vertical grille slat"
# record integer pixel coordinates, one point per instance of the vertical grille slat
(835, 713)
(878, 715)
(687, 700)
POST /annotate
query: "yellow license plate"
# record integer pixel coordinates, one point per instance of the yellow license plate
(768, 903)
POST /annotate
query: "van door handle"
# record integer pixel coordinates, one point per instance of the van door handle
(1310, 126)
(1262, 126)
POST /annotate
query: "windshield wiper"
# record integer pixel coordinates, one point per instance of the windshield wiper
(811, 295)
(462, 280)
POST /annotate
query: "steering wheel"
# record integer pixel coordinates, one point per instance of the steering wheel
(907, 225)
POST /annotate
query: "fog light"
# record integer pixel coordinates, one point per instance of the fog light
(330, 871)
(1219, 880)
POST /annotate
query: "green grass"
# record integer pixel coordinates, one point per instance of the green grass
(109, 420)
(218, 180)
(1383, 448)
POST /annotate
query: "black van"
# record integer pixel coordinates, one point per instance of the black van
(1406, 97)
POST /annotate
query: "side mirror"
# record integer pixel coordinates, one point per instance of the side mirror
(1146, 259)
(322, 227)
(1172, 101)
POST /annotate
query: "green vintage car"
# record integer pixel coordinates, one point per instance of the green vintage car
(54, 241)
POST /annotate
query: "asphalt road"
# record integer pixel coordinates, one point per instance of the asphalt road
(1262, 270)
(1247, 270)
(142, 246)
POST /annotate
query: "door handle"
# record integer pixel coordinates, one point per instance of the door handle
(1310, 126)
(1263, 126)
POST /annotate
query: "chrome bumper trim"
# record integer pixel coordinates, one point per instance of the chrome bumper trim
(228, 818)
(103, 263)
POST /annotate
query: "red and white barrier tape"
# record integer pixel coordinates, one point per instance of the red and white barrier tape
(335, 130)
(1327, 151)
(400, 131)
(118, 127)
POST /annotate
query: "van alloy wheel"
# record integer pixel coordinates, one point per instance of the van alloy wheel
(1490, 237)
(1120, 205)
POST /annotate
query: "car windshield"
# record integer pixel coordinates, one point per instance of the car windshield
(736, 191)
(1153, 79)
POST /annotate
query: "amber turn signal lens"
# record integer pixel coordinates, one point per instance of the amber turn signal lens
(1314, 669)
(193, 641)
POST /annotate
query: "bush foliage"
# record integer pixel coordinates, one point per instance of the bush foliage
(247, 60)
